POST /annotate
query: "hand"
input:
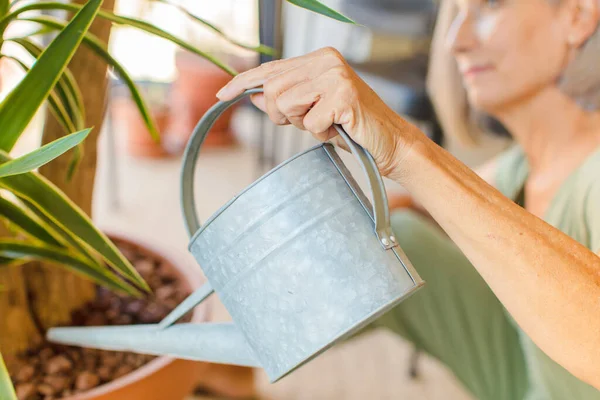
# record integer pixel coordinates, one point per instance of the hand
(320, 89)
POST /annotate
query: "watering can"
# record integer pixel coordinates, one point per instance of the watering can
(300, 259)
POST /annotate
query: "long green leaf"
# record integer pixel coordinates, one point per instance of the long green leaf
(21, 250)
(26, 221)
(56, 106)
(98, 46)
(259, 49)
(65, 100)
(66, 87)
(74, 97)
(6, 389)
(122, 20)
(74, 163)
(43, 155)
(21, 104)
(64, 118)
(4, 5)
(320, 8)
(68, 238)
(63, 212)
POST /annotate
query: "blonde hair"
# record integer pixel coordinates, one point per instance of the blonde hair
(580, 80)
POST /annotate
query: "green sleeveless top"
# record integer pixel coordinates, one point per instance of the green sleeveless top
(575, 210)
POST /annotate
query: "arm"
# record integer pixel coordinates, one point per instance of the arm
(486, 171)
(546, 280)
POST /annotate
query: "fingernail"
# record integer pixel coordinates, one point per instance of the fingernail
(224, 91)
(220, 92)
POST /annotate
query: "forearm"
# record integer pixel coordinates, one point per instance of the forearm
(406, 202)
(548, 282)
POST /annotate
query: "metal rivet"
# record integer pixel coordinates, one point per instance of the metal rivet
(393, 239)
(385, 242)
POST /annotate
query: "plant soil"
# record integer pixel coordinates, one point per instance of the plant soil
(53, 371)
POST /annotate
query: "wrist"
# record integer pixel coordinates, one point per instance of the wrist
(412, 152)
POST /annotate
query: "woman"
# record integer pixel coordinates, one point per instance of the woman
(513, 297)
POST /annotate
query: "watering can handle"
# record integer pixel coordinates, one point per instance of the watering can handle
(381, 215)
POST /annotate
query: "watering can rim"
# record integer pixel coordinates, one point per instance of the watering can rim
(228, 204)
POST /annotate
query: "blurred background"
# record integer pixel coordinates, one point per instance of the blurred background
(137, 189)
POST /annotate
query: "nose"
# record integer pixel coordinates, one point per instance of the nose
(461, 37)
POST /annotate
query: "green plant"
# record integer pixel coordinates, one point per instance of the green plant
(6, 389)
(46, 224)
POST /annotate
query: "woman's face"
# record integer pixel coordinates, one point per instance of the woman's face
(508, 50)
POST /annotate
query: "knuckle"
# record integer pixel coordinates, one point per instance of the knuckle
(308, 123)
(342, 73)
(312, 124)
(348, 91)
(297, 122)
(275, 115)
(275, 118)
(270, 89)
(346, 88)
(332, 52)
(283, 105)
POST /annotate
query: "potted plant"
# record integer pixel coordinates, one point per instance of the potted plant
(49, 226)
(80, 274)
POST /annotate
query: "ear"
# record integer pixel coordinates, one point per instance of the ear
(584, 21)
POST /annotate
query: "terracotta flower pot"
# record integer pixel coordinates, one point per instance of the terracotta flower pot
(193, 92)
(162, 378)
(128, 120)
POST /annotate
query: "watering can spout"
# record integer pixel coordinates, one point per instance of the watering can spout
(218, 343)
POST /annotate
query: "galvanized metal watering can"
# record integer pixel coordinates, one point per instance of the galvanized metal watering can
(300, 259)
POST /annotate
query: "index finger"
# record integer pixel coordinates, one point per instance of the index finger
(257, 76)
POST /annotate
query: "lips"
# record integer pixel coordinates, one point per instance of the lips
(475, 70)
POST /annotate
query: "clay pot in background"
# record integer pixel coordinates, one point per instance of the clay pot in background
(193, 92)
(127, 120)
(177, 107)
